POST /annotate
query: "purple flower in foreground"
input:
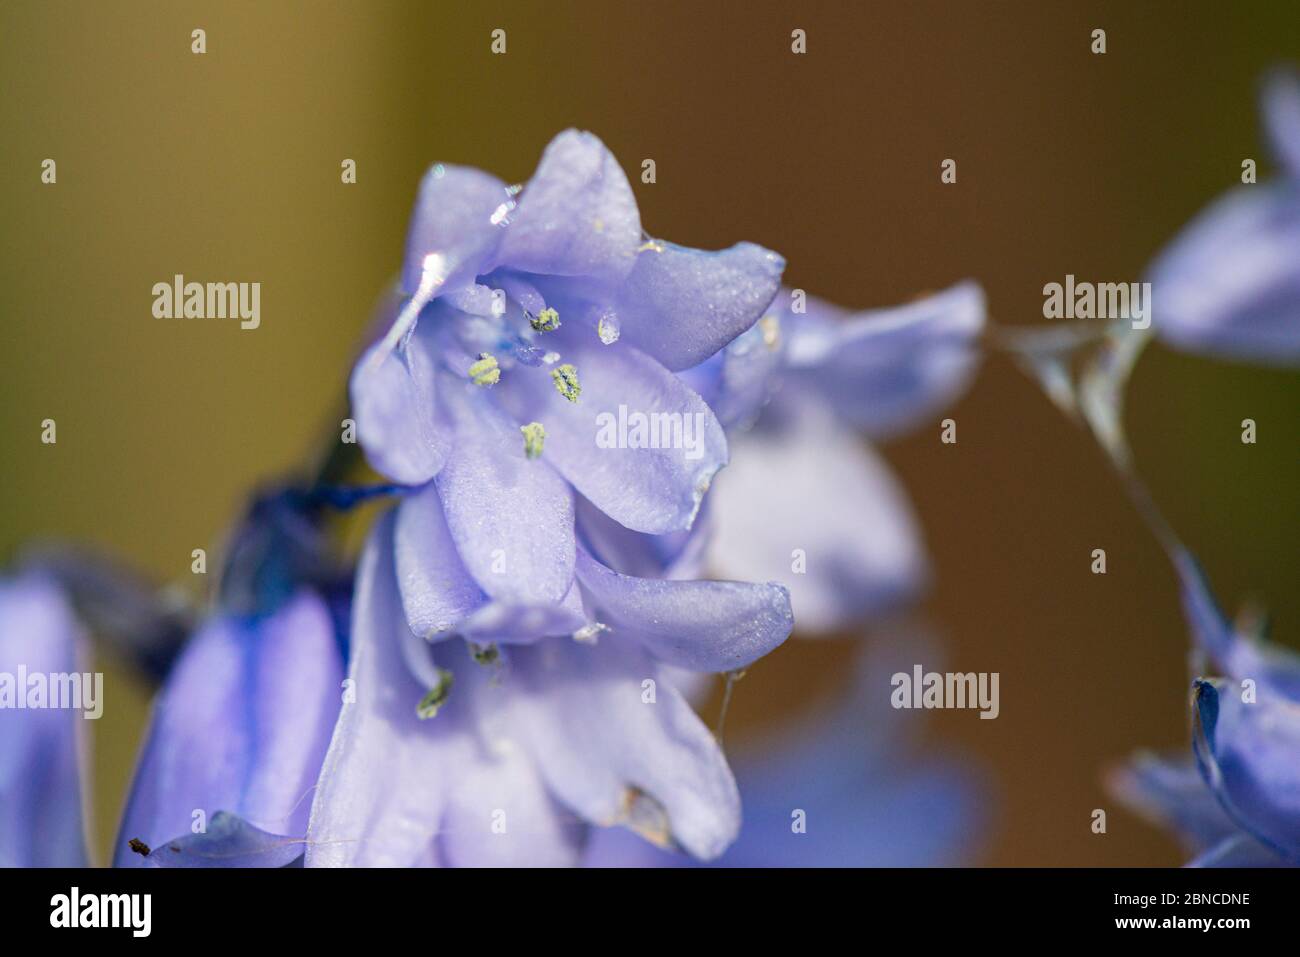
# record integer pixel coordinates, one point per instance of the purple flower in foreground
(842, 787)
(236, 742)
(835, 527)
(1229, 285)
(1236, 800)
(513, 619)
(40, 774)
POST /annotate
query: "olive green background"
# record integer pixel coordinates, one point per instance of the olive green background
(225, 166)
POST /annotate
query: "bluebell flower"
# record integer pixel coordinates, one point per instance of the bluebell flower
(41, 777)
(514, 610)
(843, 787)
(1229, 284)
(1235, 800)
(798, 393)
(239, 729)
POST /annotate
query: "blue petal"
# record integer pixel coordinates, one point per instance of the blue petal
(378, 801)
(511, 517)
(613, 754)
(229, 841)
(437, 591)
(241, 726)
(700, 625)
(887, 370)
(682, 305)
(577, 215)
(396, 790)
(40, 774)
(1229, 283)
(520, 624)
(453, 220)
(394, 406)
(653, 490)
(738, 383)
(1247, 755)
(673, 555)
(1169, 790)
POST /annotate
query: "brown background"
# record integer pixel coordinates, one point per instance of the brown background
(226, 167)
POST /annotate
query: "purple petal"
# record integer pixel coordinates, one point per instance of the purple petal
(682, 305)
(700, 625)
(1247, 755)
(738, 382)
(577, 215)
(453, 220)
(812, 507)
(394, 406)
(1229, 283)
(440, 598)
(40, 774)
(654, 490)
(888, 370)
(379, 799)
(229, 841)
(501, 815)
(615, 757)
(1281, 108)
(400, 791)
(520, 624)
(437, 591)
(511, 517)
(241, 726)
(673, 555)
(1169, 790)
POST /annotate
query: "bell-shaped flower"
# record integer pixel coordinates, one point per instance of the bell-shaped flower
(1237, 803)
(235, 742)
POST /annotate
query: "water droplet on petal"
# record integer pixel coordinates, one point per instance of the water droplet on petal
(608, 328)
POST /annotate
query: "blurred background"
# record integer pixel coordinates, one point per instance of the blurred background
(226, 166)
